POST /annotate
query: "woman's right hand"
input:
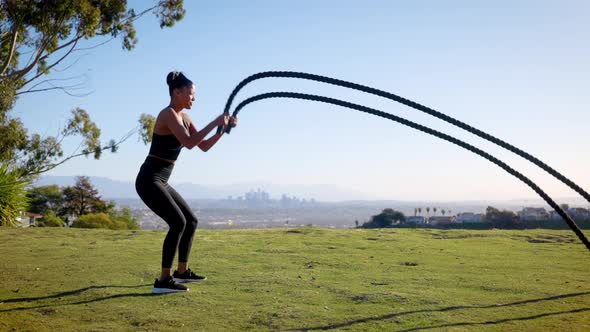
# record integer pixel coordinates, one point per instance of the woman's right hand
(223, 120)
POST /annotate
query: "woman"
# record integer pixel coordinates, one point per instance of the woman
(174, 130)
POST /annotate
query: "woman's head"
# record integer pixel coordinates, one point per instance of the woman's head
(181, 89)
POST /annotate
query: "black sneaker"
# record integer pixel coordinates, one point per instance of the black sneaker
(187, 276)
(168, 286)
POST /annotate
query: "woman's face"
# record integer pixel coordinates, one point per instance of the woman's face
(186, 96)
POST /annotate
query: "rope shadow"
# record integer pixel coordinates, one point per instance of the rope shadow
(75, 292)
(498, 321)
(453, 308)
(67, 293)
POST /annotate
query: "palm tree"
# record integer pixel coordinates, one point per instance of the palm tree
(434, 210)
(427, 210)
(443, 212)
(420, 210)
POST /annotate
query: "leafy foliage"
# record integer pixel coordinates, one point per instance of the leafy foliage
(79, 201)
(385, 219)
(102, 220)
(13, 198)
(93, 220)
(147, 123)
(50, 219)
(45, 199)
(124, 217)
(501, 219)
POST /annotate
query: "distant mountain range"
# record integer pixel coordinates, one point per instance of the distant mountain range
(109, 188)
(113, 189)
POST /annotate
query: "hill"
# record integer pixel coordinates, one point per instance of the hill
(298, 279)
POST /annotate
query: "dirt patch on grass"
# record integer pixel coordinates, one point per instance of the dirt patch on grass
(376, 297)
(275, 251)
(560, 239)
(409, 264)
(47, 311)
(439, 236)
(295, 231)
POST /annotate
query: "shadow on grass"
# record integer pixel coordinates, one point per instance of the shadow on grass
(399, 314)
(491, 322)
(75, 292)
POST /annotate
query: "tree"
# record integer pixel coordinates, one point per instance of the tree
(443, 211)
(37, 38)
(501, 219)
(420, 210)
(564, 207)
(427, 210)
(45, 198)
(83, 198)
(385, 219)
(434, 210)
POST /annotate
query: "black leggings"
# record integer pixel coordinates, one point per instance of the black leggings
(153, 189)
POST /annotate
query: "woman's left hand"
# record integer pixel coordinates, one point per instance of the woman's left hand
(233, 122)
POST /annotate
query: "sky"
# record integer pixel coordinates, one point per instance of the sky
(519, 70)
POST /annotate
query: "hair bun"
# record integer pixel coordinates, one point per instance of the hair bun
(171, 77)
(175, 80)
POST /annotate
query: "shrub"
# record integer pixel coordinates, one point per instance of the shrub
(50, 219)
(13, 196)
(125, 219)
(93, 220)
(116, 220)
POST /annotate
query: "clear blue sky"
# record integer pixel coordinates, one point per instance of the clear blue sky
(517, 69)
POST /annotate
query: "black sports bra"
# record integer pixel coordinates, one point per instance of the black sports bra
(166, 146)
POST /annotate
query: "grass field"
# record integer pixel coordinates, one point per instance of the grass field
(298, 279)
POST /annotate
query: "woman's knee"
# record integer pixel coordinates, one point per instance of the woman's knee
(191, 222)
(177, 225)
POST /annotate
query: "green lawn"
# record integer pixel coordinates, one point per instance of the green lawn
(298, 279)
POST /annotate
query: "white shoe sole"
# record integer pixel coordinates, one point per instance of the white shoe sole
(167, 290)
(188, 280)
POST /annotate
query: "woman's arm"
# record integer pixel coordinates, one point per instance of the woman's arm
(208, 143)
(192, 137)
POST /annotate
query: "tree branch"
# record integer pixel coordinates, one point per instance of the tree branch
(20, 73)
(30, 65)
(94, 46)
(10, 51)
(63, 88)
(54, 79)
(52, 166)
(129, 18)
(71, 64)
(75, 41)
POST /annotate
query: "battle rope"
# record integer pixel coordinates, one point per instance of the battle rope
(407, 102)
(571, 223)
